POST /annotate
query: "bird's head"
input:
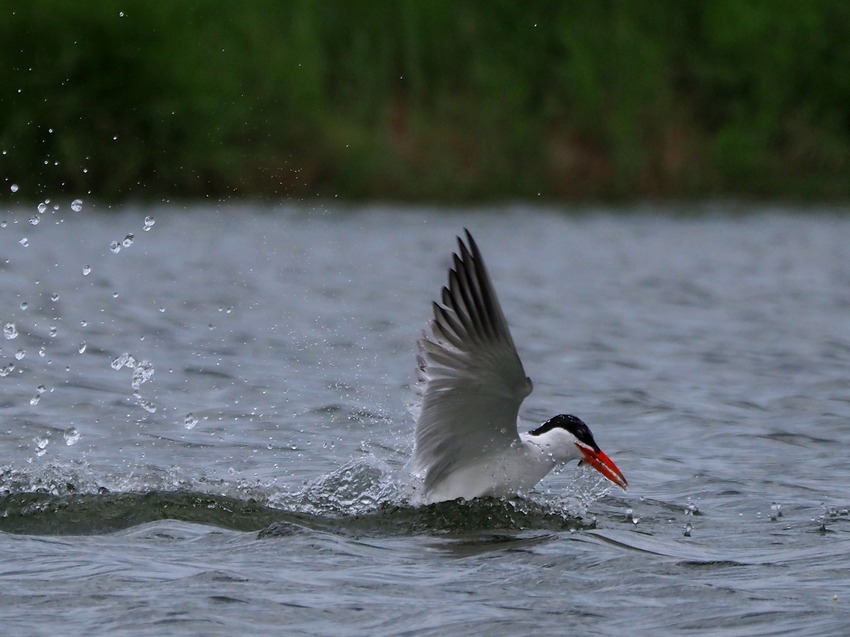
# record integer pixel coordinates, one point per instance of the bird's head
(570, 438)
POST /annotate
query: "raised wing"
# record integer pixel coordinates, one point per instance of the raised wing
(473, 380)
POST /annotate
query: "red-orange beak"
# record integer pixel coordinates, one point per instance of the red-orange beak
(604, 465)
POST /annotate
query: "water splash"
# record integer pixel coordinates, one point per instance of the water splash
(356, 488)
(10, 331)
(40, 445)
(71, 435)
(371, 489)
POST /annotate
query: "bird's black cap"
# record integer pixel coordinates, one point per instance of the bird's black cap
(573, 424)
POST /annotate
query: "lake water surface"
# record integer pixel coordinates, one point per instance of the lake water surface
(201, 432)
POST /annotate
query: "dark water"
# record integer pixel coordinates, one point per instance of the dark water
(238, 475)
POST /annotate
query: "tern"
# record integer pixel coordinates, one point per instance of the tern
(472, 384)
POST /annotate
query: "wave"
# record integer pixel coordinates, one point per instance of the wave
(363, 497)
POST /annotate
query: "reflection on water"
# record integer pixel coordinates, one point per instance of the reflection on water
(173, 390)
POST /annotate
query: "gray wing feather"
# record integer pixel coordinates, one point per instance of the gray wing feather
(472, 380)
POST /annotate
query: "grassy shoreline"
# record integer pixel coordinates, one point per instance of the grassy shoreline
(426, 100)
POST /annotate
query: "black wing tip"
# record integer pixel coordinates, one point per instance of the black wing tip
(468, 256)
(467, 249)
(473, 246)
(466, 243)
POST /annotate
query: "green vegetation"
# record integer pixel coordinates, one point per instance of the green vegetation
(425, 99)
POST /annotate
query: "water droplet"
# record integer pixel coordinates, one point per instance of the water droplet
(149, 221)
(124, 360)
(86, 270)
(190, 420)
(40, 444)
(71, 435)
(115, 247)
(34, 400)
(42, 207)
(8, 369)
(687, 531)
(118, 362)
(77, 205)
(145, 404)
(24, 305)
(128, 241)
(54, 297)
(10, 331)
(775, 511)
(53, 331)
(40, 389)
(141, 374)
(84, 323)
(24, 242)
(115, 295)
(20, 354)
(34, 220)
(14, 187)
(42, 351)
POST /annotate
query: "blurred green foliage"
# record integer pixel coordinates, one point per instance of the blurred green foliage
(425, 99)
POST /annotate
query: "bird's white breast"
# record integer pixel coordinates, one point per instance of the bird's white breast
(510, 472)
